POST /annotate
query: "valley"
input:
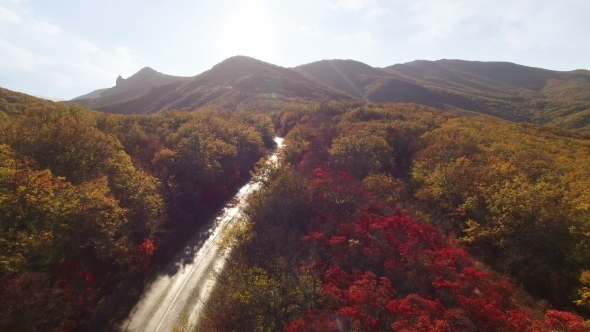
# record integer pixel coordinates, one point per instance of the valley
(393, 187)
(179, 293)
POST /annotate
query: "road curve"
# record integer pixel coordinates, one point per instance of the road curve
(184, 286)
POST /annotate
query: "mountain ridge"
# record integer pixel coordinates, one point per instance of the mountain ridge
(503, 89)
(233, 82)
(131, 87)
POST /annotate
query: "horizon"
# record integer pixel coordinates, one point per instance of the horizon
(58, 99)
(66, 49)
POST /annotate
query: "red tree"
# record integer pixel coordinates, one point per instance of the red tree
(393, 273)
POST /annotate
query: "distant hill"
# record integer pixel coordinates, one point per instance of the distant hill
(502, 89)
(12, 102)
(500, 77)
(234, 83)
(139, 83)
(91, 95)
(49, 98)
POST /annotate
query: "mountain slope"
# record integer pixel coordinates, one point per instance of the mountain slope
(13, 103)
(346, 75)
(502, 89)
(499, 78)
(234, 83)
(91, 95)
(136, 85)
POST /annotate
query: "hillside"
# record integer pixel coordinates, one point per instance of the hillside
(137, 84)
(234, 83)
(498, 77)
(380, 212)
(502, 89)
(13, 103)
(91, 95)
(85, 198)
(379, 216)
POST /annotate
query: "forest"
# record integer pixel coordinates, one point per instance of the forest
(85, 197)
(403, 217)
(378, 216)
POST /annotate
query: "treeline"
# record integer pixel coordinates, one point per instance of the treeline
(85, 197)
(365, 224)
(518, 195)
(328, 243)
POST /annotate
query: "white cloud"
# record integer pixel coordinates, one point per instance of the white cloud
(553, 24)
(376, 11)
(42, 27)
(57, 60)
(308, 29)
(362, 37)
(519, 25)
(438, 19)
(102, 76)
(8, 16)
(13, 57)
(103, 66)
(122, 57)
(87, 47)
(30, 23)
(61, 80)
(349, 4)
(372, 8)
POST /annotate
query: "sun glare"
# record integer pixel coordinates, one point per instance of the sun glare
(248, 32)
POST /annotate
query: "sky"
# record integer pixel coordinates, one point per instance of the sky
(65, 48)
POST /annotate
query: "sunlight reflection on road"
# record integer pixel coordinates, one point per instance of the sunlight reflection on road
(182, 289)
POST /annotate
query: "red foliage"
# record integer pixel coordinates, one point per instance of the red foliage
(564, 321)
(214, 195)
(394, 273)
(145, 251)
(338, 196)
(314, 321)
(318, 153)
(77, 281)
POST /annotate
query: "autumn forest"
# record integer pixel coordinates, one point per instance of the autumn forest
(449, 196)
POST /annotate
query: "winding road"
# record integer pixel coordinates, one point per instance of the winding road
(177, 295)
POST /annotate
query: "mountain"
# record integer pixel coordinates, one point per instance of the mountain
(502, 89)
(94, 205)
(498, 77)
(346, 75)
(234, 83)
(139, 83)
(91, 95)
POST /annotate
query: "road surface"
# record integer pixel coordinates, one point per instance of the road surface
(181, 290)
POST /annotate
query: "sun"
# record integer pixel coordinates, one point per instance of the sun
(248, 32)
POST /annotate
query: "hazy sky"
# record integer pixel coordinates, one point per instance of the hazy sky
(65, 48)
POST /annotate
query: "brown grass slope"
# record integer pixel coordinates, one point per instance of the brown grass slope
(139, 83)
(233, 83)
(91, 95)
(502, 89)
